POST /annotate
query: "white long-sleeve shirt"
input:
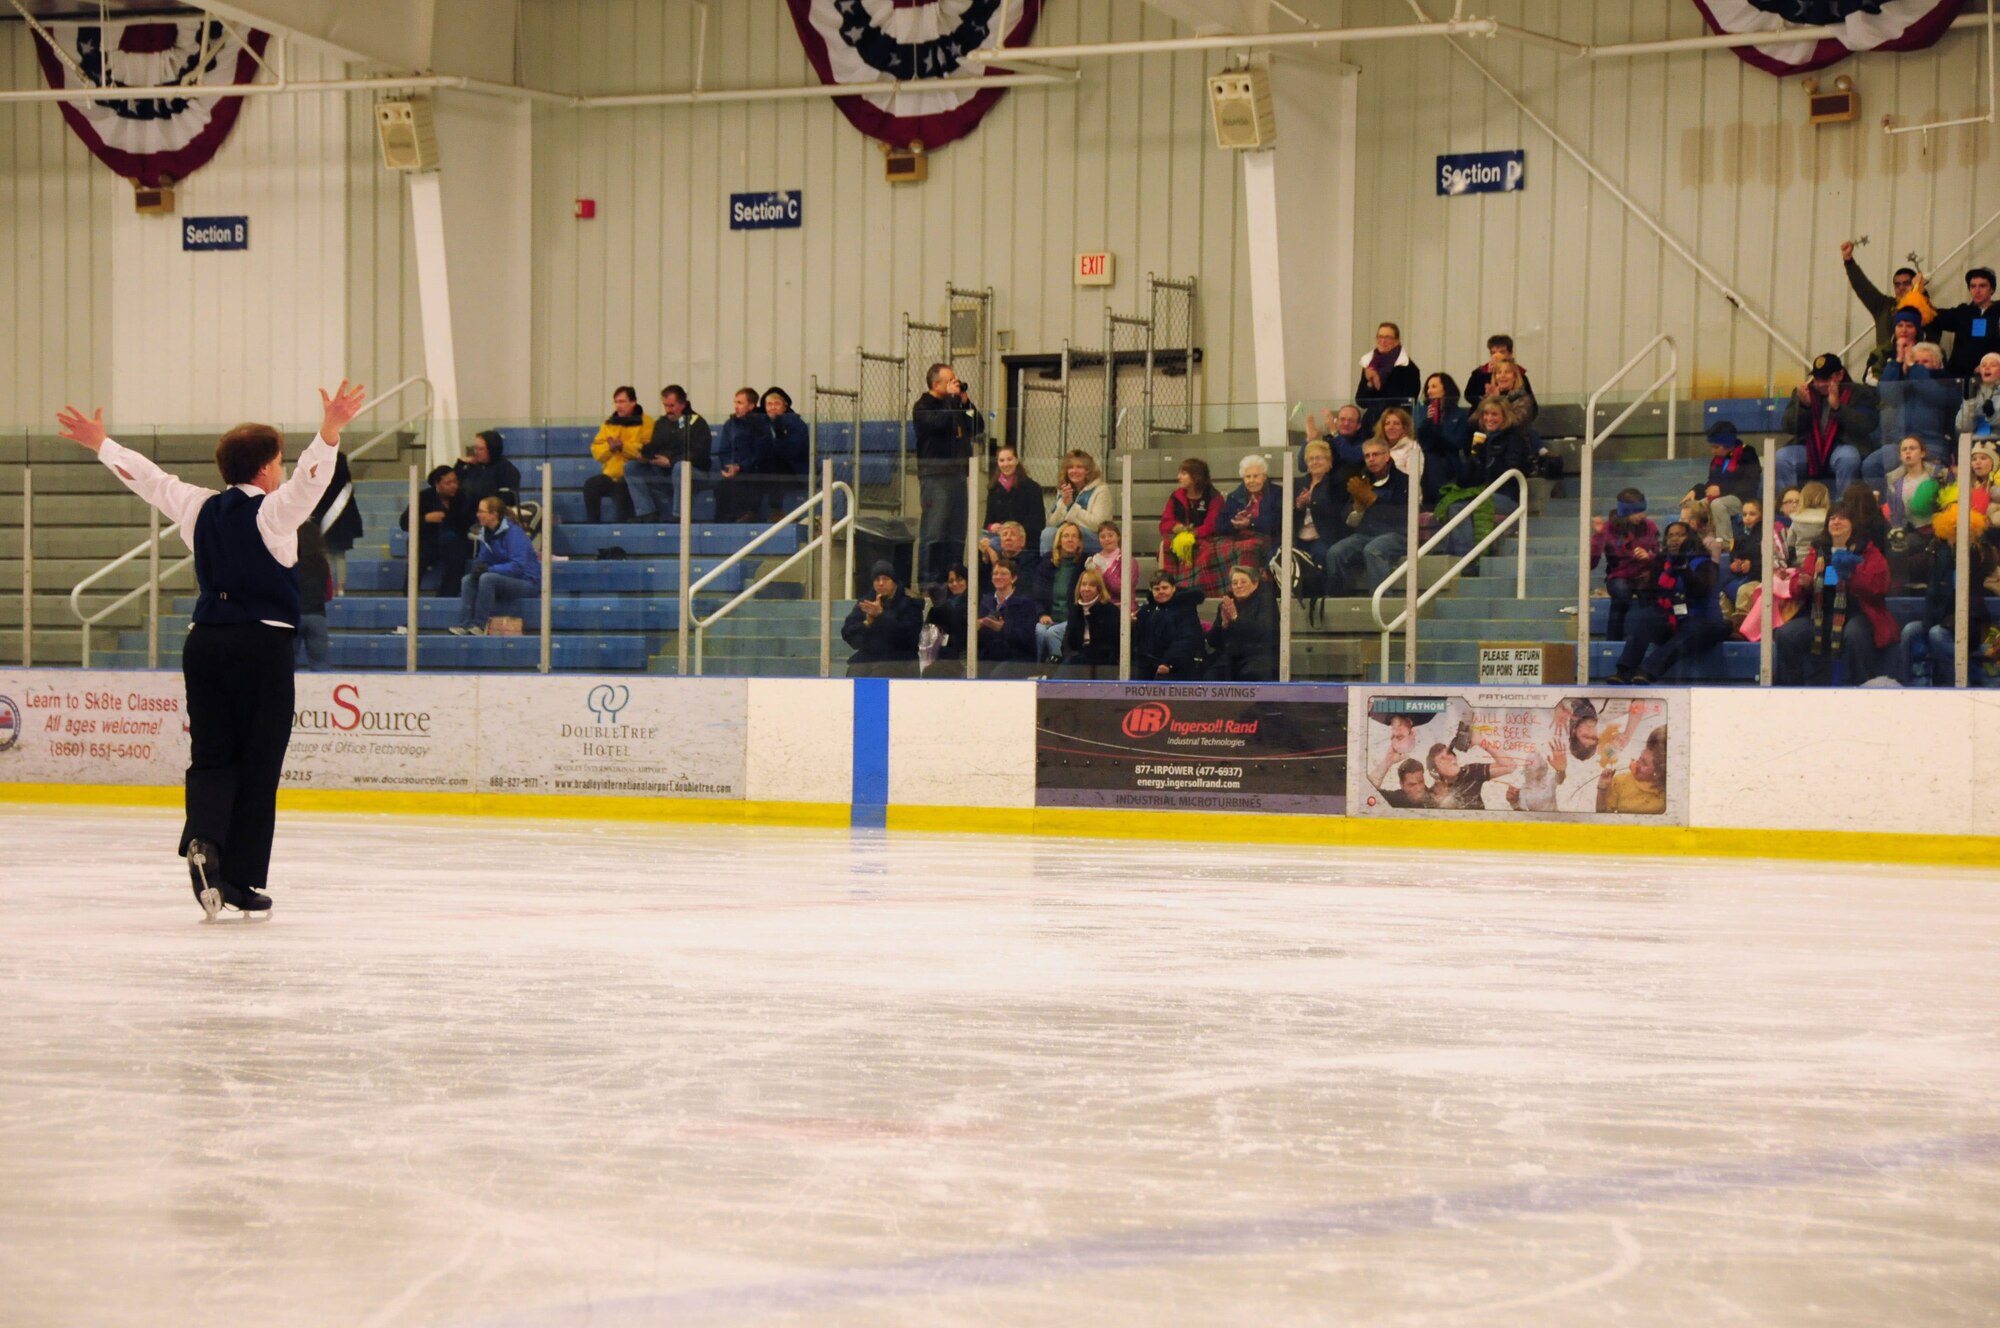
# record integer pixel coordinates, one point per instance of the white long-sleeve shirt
(278, 518)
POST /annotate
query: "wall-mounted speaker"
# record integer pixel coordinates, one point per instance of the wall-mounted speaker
(408, 131)
(1240, 102)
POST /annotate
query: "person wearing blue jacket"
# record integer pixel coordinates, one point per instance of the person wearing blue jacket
(1444, 431)
(1007, 621)
(744, 458)
(1167, 638)
(791, 450)
(1918, 401)
(506, 571)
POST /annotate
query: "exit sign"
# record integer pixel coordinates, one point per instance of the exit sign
(1093, 269)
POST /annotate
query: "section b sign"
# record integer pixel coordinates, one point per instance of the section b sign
(766, 212)
(199, 233)
(1482, 172)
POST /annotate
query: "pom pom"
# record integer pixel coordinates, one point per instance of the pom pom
(1924, 500)
(1183, 546)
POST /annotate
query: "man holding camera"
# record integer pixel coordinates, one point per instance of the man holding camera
(1830, 420)
(945, 422)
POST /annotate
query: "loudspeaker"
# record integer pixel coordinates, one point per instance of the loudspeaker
(1240, 103)
(409, 134)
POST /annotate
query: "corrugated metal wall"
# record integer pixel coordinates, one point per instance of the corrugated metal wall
(1720, 152)
(657, 287)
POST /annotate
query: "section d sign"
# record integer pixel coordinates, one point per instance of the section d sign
(215, 233)
(1482, 172)
(766, 212)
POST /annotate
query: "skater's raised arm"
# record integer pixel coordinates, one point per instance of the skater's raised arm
(294, 500)
(177, 500)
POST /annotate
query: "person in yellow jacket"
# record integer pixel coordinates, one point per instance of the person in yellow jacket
(618, 441)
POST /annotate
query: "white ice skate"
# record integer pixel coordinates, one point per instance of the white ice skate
(208, 893)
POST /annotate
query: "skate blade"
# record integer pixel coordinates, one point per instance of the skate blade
(211, 904)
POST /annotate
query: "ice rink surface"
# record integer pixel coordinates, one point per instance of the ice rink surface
(551, 1074)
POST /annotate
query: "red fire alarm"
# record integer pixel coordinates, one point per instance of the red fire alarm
(586, 208)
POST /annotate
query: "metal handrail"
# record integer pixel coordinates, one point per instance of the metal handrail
(813, 545)
(1517, 517)
(1586, 472)
(152, 541)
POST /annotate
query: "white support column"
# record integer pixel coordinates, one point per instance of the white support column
(1267, 313)
(434, 298)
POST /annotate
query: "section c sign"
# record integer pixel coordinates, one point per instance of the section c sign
(1482, 172)
(767, 212)
(200, 233)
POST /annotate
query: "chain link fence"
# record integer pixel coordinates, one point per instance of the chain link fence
(1170, 381)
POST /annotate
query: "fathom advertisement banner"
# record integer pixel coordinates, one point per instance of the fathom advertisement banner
(62, 726)
(1493, 754)
(382, 731)
(1219, 747)
(614, 737)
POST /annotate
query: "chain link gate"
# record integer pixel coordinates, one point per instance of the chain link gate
(1131, 371)
(886, 397)
(969, 320)
(1043, 426)
(1170, 381)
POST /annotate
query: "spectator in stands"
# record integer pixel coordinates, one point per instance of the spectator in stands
(1641, 790)
(1917, 401)
(791, 451)
(1243, 639)
(339, 518)
(1090, 635)
(1499, 351)
(1977, 415)
(1014, 496)
(1842, 590)
(1628, 544)
(945, 423)
(744, 456)
(1445, 432)
(1499, 444)
(1880, 307)
(1930, 640)
(1744, 572)
(1166, 634)
(444, 529)
(1900, 485)
(947, 615)
(619, 441)
(1374, 536)
(1007, 624)
(883, 631)
(1677, 612)
(1011, 544)
(485, 472)
(1410, 790)
(1735, 476)
(1340, 430)
(1109, 561)
(1317, 513)
(1188, 527)
(679, 434)
(1053, 585)
(1251, 516)
(1388, 376)
(314, 572)
(1511, 385)
(1830, 420)
(506, 572)
(1083, 500)
(1807, 521)
(1974, 325)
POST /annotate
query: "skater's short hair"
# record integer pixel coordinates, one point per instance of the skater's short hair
(245, 450)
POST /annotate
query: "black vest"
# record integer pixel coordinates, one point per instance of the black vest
(241, 582)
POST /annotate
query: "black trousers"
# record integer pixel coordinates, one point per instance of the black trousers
(599, 487)
(239, 700)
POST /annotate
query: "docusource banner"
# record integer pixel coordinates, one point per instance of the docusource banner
(1463, 753)
(1223, 747)
(614, 737)
(62, 726)
(395, 731)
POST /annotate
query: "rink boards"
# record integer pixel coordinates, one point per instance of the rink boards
(1886, 775)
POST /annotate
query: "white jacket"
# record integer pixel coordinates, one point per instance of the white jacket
(1091, 508)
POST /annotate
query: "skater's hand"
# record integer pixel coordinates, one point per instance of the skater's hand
(340, 409)
(81, 429)
(1846, 250)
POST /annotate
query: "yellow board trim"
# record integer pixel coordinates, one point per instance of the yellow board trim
(1924, 849)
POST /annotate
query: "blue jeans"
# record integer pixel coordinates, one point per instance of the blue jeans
(1845, 460)
(941, 530)
(652, 491)
(485, 593)
(1375, 556)
(312, 642)
(1460, 541)
(1621, 604)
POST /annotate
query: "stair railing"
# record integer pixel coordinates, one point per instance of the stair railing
(149, 548)
(823, 541)
(1517, 517)
(1586, 461)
